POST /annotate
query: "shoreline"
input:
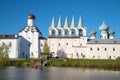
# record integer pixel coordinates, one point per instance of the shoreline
(65, 62)
(86, 63)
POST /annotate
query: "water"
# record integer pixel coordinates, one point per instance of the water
(57, 73)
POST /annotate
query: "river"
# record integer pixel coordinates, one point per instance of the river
(57, 73)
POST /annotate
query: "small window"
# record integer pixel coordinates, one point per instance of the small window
(91, 49)
(29, 44)
(97, 49)
(80, 44)
(41, 45)
(59, 44)
(105, 49)
(113, 49)
(66, 43)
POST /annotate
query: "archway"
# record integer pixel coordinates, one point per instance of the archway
(53, 33)
(66, 33)
(59, 33)
(73, 33)
(80, 32)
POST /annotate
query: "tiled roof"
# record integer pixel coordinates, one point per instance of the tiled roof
(32, 26)
(103, 41)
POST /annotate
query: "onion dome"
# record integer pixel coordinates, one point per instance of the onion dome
(93, 32)
(31, 16)
(111, 32)
(103, 27)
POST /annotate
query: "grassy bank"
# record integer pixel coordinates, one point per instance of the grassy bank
(85, 63)
(18, 62)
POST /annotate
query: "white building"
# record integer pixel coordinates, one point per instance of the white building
(25, 44)
(72, 42)
(68, 41)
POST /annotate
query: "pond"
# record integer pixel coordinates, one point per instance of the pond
(57, 73)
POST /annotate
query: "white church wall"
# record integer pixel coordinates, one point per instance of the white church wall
(69, 47)
(24, 48)
(42, 42)
(13, 50)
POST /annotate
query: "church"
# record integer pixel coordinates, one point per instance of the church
(27, 43)
(68, 41)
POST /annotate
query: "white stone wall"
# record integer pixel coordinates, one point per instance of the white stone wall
(67, 47)
(13, 50)
(103, 51)
(42, 42)
(78, 48)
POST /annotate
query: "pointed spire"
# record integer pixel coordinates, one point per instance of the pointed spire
(73, 22)
(59, 23)
(53, 22)
(66, 22)
(80, 24)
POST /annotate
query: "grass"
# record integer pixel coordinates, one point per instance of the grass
(19, 62)
(85, 63)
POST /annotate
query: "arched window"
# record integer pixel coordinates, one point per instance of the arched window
(53, 33)
(80, 32)
(59, 32)
(105, 49)
(73, 33)
(113, 49)
(91, 49)
(97, 49)
(66, 32)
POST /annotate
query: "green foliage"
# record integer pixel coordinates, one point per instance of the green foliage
(45, 53)
(46, 47)
(4, 49)
(85, 63)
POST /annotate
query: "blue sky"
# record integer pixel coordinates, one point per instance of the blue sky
(13, 14)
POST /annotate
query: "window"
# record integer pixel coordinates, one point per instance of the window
(80, 44)
(105, 49)
(66, 43)
(113, 49)
(91, 49)
(97, 49)
(29, 44)
(41, 45)
(59, 44)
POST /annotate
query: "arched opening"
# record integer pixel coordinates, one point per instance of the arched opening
(66, 33)
(59, 33)
(73, 33)
(53, 33)
(80, 32)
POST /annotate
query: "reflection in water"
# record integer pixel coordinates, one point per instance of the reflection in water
(57, 73)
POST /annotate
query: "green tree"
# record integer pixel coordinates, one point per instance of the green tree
(45, 47)
(4, 49)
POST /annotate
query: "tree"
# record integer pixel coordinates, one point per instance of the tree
(45, 47)
(4, 49)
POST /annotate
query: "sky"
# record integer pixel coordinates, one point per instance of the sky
(14, 13)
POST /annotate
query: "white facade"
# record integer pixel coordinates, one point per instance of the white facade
(27, 43)
(74, 43)
(13, 51)
(63, 41)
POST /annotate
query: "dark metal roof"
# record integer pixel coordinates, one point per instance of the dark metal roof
(103, 41)
(41, 37)
(8, 36)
